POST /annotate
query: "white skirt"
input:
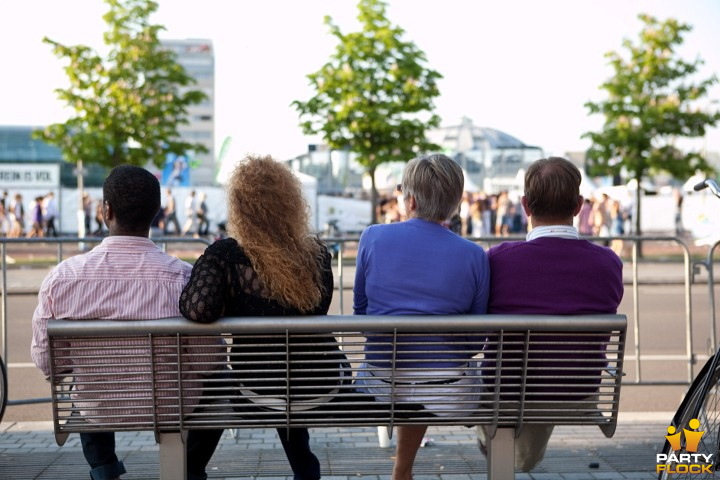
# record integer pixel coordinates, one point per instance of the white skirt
(455, 395)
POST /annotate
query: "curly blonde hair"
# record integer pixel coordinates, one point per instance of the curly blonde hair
(268, 216)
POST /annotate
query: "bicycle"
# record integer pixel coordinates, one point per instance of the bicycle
(701, 402)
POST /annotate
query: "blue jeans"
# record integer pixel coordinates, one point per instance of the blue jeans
(304, 463)
(99, 451)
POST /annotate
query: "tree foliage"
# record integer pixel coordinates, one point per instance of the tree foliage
(128, 106)
(652, 99)
(374, 97)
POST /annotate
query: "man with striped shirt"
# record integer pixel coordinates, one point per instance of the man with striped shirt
(126, 277)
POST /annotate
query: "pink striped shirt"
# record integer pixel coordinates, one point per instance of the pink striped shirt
(123, 278)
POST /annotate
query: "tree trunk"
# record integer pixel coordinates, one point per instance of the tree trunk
(373, 197)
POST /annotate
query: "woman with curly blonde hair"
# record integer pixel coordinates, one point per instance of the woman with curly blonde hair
(270, 265)
(269, 216)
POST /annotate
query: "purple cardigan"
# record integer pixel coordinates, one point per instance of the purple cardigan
(553, 276)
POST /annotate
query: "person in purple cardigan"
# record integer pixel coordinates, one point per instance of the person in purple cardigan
(553, 272)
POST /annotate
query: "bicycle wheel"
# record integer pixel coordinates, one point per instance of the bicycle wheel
(3, 388)
(703, 403)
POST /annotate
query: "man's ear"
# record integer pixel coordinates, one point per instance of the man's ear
(579, 205)
(107, 211)
(523, 202)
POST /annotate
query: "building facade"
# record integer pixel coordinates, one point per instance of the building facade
(492, 161)
(18, 147)
(336, 172)
(197, 57)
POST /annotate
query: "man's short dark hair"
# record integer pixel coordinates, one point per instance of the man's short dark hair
(552, 186)
(134, 195)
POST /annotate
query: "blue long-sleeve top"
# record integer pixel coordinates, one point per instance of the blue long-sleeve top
(420, 268)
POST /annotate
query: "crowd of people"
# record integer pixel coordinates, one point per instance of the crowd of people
(272, 265)
(42, 211)
(488, 215)
(40, 218)
(197, 222)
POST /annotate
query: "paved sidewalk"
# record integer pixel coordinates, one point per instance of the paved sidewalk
(28, 452)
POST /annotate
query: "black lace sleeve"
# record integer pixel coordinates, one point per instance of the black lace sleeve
(203, 298)
(327, 281)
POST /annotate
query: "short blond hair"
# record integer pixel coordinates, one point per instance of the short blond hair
(437, 183)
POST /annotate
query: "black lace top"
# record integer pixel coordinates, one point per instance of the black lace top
(223, 283)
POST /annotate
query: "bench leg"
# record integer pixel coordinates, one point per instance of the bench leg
(501, 455)
(173, 464)
(61, 438)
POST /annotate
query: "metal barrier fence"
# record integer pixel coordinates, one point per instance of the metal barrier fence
(708, 264)
(60, 242)
(342, 247)
(634, 356)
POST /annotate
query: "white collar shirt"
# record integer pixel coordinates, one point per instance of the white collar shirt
(557, 231)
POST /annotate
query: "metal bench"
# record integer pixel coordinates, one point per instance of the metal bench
(531, 375)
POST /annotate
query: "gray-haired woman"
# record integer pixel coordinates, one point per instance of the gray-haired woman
(419, 267)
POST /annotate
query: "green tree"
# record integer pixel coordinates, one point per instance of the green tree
(374, 97)
(652, 100)
(128, 106)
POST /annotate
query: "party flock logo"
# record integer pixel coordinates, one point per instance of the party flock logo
(689, 462)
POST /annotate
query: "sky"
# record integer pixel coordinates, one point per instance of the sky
(525, 67)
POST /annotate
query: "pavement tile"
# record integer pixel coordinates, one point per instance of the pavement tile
(608, 475)
(29, 452)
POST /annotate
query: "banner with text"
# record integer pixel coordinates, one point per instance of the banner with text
(13, 175)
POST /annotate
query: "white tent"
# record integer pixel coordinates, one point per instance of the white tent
(689, 186)
(587, 187)
(309, 188)
(646, 185)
